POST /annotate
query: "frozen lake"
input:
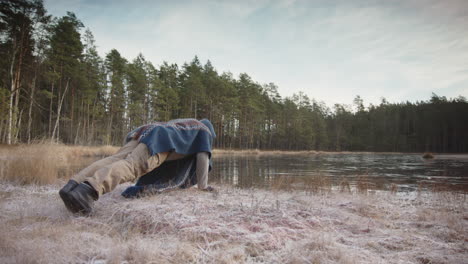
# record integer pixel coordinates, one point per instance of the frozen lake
(406, 171)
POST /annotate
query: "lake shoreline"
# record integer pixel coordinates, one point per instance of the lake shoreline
(235, 225)
(256, 168)
(105, 150)
(319, 152)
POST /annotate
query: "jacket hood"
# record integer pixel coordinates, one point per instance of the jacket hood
(208, 124)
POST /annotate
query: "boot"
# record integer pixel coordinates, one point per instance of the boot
(65, 194)
(82, 198)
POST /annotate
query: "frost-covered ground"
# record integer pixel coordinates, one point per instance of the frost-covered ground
(234, 226)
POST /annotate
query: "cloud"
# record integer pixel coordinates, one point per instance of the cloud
(332, 50)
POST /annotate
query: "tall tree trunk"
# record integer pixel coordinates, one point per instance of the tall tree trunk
(60, 109)
(2, 133)
(191, 106)
(2, 124)
(77, 132)
(10, 116)
(16, 106)
(72, 115)
(84, 134)
(13, 108)
(12, 95)
(210, 113)
(109, 130)
(111, 113)
(18, 125)
(22, 47)
(59, 96)
(88, 126)
(31, 99)
(92, 135)
(50, 109)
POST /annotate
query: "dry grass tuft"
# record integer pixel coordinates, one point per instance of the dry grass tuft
(45, 162)
(364, 184)
(428, 155)
(38, 164)
(310, 184)
(283, 183)
(317, 184)
(105, 150)
(345, 186)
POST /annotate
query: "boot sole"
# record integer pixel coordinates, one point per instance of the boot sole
(65, 195)
(68, 203)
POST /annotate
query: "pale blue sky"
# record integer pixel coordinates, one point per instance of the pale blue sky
(331, 50)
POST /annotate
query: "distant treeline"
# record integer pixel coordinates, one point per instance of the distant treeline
(54, 85)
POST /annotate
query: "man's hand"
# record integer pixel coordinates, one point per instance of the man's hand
(133, 191)
(209, 189)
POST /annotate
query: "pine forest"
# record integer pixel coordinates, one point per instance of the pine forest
(55, 86)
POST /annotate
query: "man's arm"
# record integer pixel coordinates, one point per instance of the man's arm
(203, 163)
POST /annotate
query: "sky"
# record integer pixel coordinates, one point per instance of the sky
(402, 50)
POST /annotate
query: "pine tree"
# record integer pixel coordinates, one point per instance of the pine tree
(116, 98)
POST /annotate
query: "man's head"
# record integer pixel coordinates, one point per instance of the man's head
(208, 124)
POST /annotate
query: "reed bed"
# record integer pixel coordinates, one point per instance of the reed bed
(44, 163)
(234, 226)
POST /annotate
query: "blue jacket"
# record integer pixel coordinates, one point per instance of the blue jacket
(183, 136)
